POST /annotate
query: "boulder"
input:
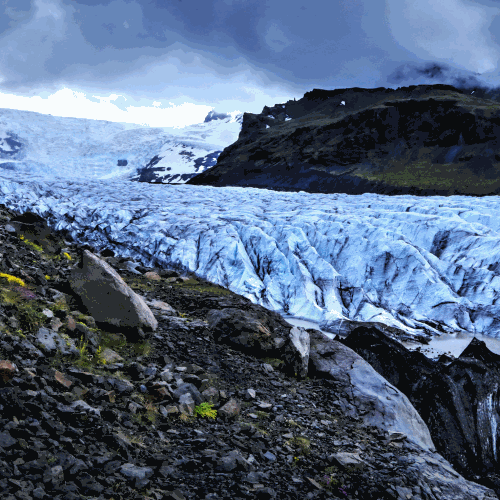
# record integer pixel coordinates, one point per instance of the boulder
(262, 333)
(107, 297)
(365, 393)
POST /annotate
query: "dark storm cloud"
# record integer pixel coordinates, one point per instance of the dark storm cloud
(196, 44)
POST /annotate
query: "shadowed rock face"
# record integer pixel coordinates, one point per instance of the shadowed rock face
(424, 140)
(458, 401)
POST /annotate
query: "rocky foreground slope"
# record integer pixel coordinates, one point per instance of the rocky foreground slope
(422, 140)
(182, 389)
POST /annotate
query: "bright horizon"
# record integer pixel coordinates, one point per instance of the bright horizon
(75, 104)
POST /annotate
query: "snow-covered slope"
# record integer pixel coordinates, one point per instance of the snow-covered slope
(43, 146)
(418, 264)
(193, 152)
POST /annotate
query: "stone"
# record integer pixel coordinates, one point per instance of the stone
(169, 410)
(107, 297)
(250, 394)
(347, 460)
(7, 370)
(55, 324)
(269, 456)
(131, 470)
(230, 410)
(70, 323)
(185, 388)
(110, 356)
(89, 336)
(163, 308)
(152, 276)
(262, 333)
(52, 342)
(211, 395)
(62, 379)
(35, 228)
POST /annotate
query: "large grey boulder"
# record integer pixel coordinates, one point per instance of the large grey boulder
(262, 333)
(363, 392)
(107, 297)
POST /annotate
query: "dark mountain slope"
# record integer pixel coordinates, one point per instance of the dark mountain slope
(425, 140)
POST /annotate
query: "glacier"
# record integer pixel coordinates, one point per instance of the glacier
(421, 265)
(38, 146)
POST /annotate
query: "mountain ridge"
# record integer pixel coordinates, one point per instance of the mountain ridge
(421, 139)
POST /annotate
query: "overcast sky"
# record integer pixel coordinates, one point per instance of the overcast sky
(169, 62)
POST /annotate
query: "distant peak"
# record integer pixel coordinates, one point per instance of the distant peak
(233, 115)
(212, 115)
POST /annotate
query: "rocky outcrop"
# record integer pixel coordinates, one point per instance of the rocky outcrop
(263, 334)
(107, 297)
(426, 139)
(458, 400)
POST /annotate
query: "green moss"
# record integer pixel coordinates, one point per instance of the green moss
(139, 284)
(19, 333)
(261, 414)
(419, 168)
(205, 410)
(274, 362)
(113, 341)
(30, 316)
(190, 281)
(301, 443)
(8, 296)
(258, 426)
(202, 288)
(60, 305)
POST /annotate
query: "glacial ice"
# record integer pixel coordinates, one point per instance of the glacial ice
(39, 146)
(419, 264)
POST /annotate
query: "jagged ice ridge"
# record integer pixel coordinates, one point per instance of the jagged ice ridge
(419, 264)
